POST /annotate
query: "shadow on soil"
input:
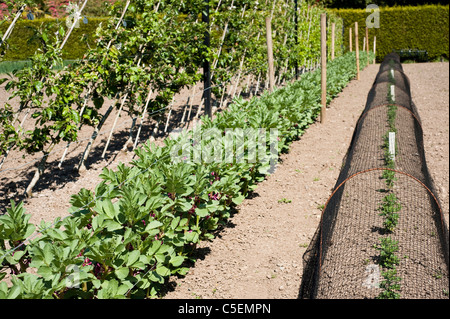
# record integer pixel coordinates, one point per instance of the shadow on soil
(13, 183)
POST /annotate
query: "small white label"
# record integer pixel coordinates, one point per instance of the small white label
(372, 276)
(393, 93)
(392, 73)
(392, 144)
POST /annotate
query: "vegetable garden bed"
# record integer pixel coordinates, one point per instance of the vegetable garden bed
(141, 223)
(383, 213)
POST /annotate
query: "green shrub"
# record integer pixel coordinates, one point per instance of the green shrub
(339, 41)
(10, 66)
(421, 27)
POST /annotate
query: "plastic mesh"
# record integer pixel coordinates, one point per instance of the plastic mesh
(342, 260)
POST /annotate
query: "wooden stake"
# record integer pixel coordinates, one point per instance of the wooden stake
(367, 39)
(333, 28)
(241, 65)
(150, 92)
(350, 39)
(221, 41)
(128, 89)
(121, 20)
(81, 165)
(155, 129)
(197, 115)
(91, 88)
(206, 65)
(5, 36)
(374, 48)
(185, 110)
(190, 104)
(222, 99)
(115, 123)
(357, 50)
(38, 172)
(79, 127)
(257, 84)
(125, 97)
(130, 135)
(323, 45)
(168, 116)
(72, 26)
(270, 53)
(13, 23)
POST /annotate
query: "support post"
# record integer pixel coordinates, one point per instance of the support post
(296, 35)
(323, 45)
(350, 39)
(12, 24)
(206, 63)
(357, 50)
(367, 40)
(270, 53)
(72, 26)
(374, 49)
(333, 29)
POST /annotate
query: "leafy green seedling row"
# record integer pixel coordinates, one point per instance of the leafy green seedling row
(389, 209)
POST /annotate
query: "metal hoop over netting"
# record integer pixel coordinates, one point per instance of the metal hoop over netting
(385, 161)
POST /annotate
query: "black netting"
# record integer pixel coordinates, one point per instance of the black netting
(342, 260)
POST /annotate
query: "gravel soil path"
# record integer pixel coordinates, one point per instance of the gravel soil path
(259, 252)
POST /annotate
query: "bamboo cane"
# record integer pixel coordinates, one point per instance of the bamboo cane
(13, 23)
(142, 118)
(24, 106)
(91, 87)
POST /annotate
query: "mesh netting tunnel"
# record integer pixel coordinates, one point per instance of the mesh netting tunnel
(342, 260)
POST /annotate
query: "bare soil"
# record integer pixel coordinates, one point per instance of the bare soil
(259, 252)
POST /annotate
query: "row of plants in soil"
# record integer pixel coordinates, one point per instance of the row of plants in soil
(160, 49)
(389, 208)
(142, 223)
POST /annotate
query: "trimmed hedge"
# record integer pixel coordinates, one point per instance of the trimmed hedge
(10, 66)
(75, 48)
(420, 27)
(339, 48)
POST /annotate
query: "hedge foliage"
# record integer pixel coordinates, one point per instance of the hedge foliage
(339, 48)
(20, 47)
(21, 50)
(421, 27)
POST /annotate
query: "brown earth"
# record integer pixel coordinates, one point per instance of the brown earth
(259, 253)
